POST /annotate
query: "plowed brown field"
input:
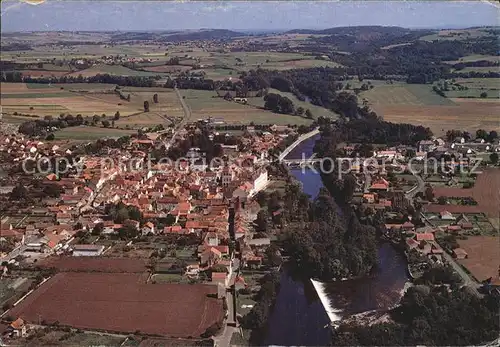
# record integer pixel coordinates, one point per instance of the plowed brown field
(122, 303)
(466, 115)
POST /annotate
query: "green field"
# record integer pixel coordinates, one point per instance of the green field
(475, 57)
(405, 94)
(84, 86)
(90, 133)
(317, 111)
(480, 69)
(117, 70)
(49, 52)
(487, 83)
(476, 86)
(462, 34)
(168, 278)
(39, 86)
(243, 61)
(204, 104)
(36, 95)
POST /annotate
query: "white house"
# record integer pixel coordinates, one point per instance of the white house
(445, 215)
(148, 228)
(260, 181)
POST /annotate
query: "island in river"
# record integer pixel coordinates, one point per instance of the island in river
(299, 317)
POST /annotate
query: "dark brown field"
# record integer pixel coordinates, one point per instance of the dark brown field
(95, 264)
(122, 303)
(483, 259)
(486, 192)
(452, 192)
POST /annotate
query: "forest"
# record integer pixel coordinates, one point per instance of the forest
(336, 245)
(430, 316)
(131, 81)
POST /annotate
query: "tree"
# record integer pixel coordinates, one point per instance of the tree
(442, 200)
(53, 190)
(429, 193)
(50, 137)
(493, 135)
(155, 98)
(128, 232)
(105, 123)
(98, 228)
(18, 193)
(481, 134)
(146, 106)
(484, 95)
(261, 221)
(494, 158)
(300, 111)
(117, 115)
(309, 114)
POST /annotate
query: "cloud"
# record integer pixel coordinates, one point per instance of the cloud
(33, 2)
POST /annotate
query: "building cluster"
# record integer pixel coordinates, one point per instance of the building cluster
(180, 198)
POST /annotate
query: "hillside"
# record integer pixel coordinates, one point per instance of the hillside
(211, 34)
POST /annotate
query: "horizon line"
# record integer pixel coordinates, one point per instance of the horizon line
(443, 27)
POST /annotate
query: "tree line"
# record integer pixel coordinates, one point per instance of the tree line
(130, 81)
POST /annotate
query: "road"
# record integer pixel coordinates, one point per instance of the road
(187, 116)
(466, 278)
(420, 188)
(468, 281)
(224, 339)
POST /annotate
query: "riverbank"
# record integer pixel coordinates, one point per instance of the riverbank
(305, 309)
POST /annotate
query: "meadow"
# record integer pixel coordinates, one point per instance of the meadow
(317, 111)
(404, 94)
(475, 57)
(475, 87)
(462, 34)
(204, 104)
(88, 99)
(117, 70)
(418, 104)
(90, 133)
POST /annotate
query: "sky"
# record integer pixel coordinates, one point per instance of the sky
(103, 15)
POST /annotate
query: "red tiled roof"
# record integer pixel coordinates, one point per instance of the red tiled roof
(411, 242)
(407, 225)
(222, 249)
(219, 275)
(425, 236)
(459, 251)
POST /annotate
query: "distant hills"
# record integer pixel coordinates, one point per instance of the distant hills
(203, 34)
(369, 29)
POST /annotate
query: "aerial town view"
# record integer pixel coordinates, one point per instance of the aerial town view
(249, 173)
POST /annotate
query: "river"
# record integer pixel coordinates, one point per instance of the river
(299, 318)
